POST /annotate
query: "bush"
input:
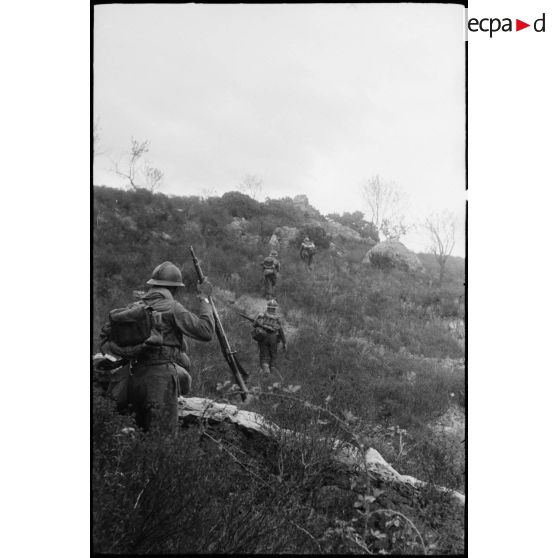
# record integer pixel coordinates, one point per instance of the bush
(369, 339)
(382, 261)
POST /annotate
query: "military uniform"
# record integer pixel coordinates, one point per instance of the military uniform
(271, 268)
(307, 251)
(156, 373)
(159, 366)
(268, 345)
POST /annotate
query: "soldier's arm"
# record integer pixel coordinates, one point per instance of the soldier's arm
(200, 327)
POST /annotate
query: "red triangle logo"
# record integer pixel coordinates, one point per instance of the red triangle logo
(519, 25)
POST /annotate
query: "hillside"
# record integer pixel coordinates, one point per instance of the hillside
(380, 347)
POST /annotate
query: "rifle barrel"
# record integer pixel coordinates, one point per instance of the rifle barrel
(228, 353)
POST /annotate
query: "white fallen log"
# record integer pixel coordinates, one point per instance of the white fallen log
(206, 409)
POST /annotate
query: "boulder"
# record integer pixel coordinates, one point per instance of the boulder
(237, 228)
(337, 230)
(301, 202)
(274, 243)
(197, 408)
(392, 253)
(284, 235)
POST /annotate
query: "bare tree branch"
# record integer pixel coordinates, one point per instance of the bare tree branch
(251, 184)
(441, 229)
(152, 176)
(385, 203)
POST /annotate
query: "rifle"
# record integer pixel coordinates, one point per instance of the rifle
(252, 320)
(230, 356)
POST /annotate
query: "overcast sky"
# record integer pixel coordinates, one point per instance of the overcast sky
(312, 98)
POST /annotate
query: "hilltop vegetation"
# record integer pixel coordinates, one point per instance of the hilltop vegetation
(380, 346)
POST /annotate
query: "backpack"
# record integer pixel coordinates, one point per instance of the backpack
(269, 265)
(263, 326)
(309, 248)
(132, 329)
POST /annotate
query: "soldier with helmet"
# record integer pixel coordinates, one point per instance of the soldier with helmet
(268, 332)
(157, 371)
(307, 250)
(271, 268)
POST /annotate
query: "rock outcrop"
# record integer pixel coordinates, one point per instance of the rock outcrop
(284, 235)
(301, 202)
(205, 409)
(392, 253)
(238, 228)
(339, 231)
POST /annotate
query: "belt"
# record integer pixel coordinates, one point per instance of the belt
(158, 355)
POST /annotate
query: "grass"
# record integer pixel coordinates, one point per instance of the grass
(372, 341)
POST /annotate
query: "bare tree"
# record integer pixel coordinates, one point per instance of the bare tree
(251, 184)
(152, 176)
(385, 203)
(441, 230)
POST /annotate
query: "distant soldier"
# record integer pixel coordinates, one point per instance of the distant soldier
(270, 267)
(268, 331)
(307, 251)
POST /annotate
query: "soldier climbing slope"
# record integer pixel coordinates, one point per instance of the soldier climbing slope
(270, 267)
(158, 363)
(268, 331)
(307, 251)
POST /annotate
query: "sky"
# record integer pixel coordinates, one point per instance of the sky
(314, 99)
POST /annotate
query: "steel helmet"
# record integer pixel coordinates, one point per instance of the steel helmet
(272, 304)
(306, 239)
(273, 253)
(166, 275)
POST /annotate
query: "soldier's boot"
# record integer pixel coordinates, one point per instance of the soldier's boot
(265, 369)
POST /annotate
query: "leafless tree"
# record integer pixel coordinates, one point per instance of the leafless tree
(147, 177)
(385, 203)
(153, 177)
(441, 230)
(251, 184)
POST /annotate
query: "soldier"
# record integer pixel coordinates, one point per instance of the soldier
(270, 267)
(158, 371)
(268, 331)
(307, 251)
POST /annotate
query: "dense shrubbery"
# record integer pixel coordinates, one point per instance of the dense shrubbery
(371, 340)
(213, 489)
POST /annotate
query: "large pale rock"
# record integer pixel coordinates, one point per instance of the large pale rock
(302, 203)
(337, 230)
(206, 409)
(274, 243)
(237, 228)
(285, 234)
(396, 253)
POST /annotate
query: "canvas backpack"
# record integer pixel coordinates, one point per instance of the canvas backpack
(131, 330)
(263, 326)
(309, 248)
(269, 265)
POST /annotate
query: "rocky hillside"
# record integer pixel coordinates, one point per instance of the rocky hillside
(374, 341)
